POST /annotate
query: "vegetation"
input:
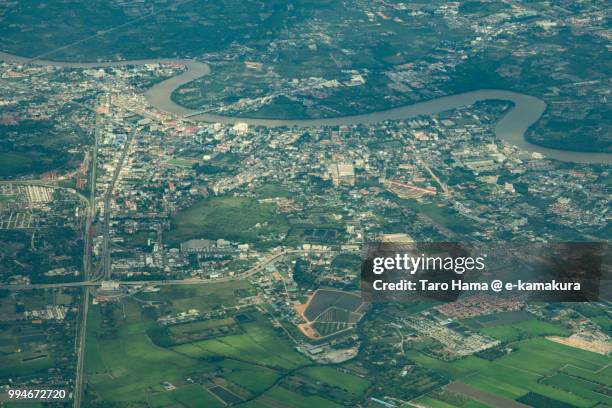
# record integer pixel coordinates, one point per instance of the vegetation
(246, 364)
(239, 219)
(522, 371)
(332, 376)
(259, 344)
(198, 27)
(525, 329)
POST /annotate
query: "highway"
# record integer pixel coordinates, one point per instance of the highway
(97, 283)
(166, 282)
(80, 366)
(82, 327)
(106, 256)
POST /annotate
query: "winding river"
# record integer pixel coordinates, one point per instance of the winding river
(510, 128)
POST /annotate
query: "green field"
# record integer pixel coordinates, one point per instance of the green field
(253, 378)
(585, 389)
(337, 378)
(603, 377)
(239, 219)
(604, 322)
(14, 365)
(522, 371)
(525, 329)
(124, 366)
(272, 190)
(288, 398)
(183, 162)
(441, 216)
(259, 344)
(187, 396)
(432, 402)
(201, 297)
(129, 367)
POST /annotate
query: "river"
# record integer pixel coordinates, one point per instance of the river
(511, 127)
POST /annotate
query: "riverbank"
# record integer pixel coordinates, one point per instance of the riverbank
(511, 128)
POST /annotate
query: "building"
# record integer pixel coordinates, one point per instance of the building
(342, 173)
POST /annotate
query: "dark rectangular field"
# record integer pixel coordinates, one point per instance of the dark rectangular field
(323, 299)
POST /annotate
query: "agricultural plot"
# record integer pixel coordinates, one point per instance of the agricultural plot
(280, 397)
(446, 399)
(190, 332)
(433, 403)
(523, 330)
(258, 344)
(332, 321)
(124, 367)
(331, 311)
(184, 333)
(223, 394)
(586, 389)
(602, 376)
(498, 319)
(253, 378)
(323, 299)
(528, 370)
(329, 375)
(189, 396)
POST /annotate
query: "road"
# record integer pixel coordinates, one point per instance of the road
(106, 256)
(166, 282)
(80, 366)
(82, 327)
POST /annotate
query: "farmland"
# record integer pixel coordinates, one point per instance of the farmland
(259, 344)
(329, 312)
(282, 397)
(324, 299)
(348, 382)
(534, 366)
(524, 329)
(123, 364)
